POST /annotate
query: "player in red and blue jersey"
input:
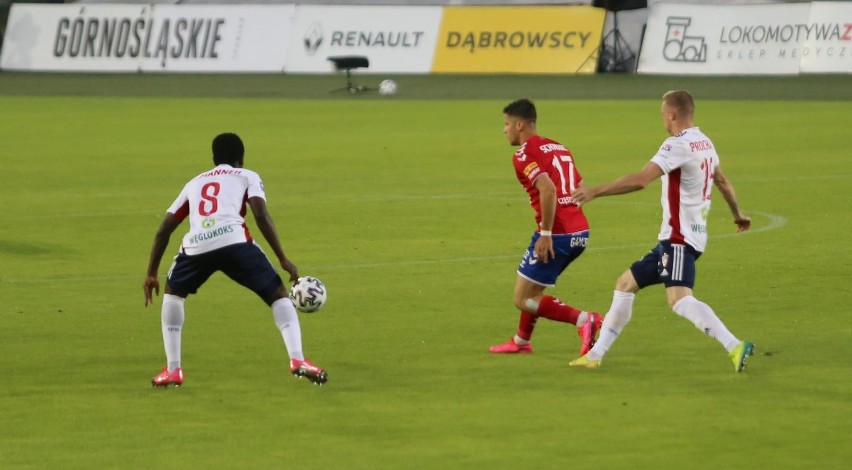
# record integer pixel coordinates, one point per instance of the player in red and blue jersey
(689, 167)
(546, 170)
(219, 240)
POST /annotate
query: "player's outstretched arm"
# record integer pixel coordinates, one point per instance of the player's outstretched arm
(267, 228)
(161, 241)
(727, 189)
(625, 184)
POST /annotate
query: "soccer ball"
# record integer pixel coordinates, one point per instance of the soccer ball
(308, 294)
(387, 87)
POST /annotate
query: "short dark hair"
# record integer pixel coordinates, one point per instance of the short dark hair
(522, 108)
(681, 101)
(228, 149)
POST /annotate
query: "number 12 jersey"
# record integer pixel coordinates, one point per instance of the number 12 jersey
(689, 161)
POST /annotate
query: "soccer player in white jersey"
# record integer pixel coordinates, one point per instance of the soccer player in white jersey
(689, 166)
(218, 240)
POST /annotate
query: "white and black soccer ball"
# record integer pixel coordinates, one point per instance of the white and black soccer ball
(387, 87)
(308, 294)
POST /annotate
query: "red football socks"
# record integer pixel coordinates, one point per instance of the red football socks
(526, 325)
(553, 309)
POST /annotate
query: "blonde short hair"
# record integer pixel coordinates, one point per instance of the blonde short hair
(681, 101)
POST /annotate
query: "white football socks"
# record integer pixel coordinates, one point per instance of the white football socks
(703, 317)
(287, 321)
(614, 321)
(171, 318)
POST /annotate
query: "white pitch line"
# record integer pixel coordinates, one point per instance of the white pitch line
(86, 214)
(406, 197)
(775, 222)
(275, 207)
(760, 179)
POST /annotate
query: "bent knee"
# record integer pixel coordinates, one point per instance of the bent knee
(675, 294)
(272, 296)
(626, 282)
(528, 303)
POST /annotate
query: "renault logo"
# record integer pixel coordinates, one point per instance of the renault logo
(313, 38)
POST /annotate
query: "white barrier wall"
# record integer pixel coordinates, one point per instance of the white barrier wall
(129, 38)
(830, 51)
(783, 39)
(395, 39)
(224, 38)
(681, 39)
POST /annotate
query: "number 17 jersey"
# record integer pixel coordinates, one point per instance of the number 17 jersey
(539, 156)
(215, 202)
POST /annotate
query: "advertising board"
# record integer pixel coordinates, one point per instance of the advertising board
(519, 39)
(394, 39)
(778, 39)
(162, 38)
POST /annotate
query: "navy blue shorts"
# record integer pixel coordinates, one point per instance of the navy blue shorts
(243, 262)
(567, 248)
(671, 265)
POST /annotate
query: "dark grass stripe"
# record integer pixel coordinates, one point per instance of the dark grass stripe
(815, 87)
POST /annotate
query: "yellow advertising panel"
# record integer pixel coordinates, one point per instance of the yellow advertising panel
(517, 39)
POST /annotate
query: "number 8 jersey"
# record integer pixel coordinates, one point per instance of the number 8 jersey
(215, 202)
(689, 161)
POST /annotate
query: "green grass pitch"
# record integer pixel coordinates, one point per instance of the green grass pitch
(409, 211)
